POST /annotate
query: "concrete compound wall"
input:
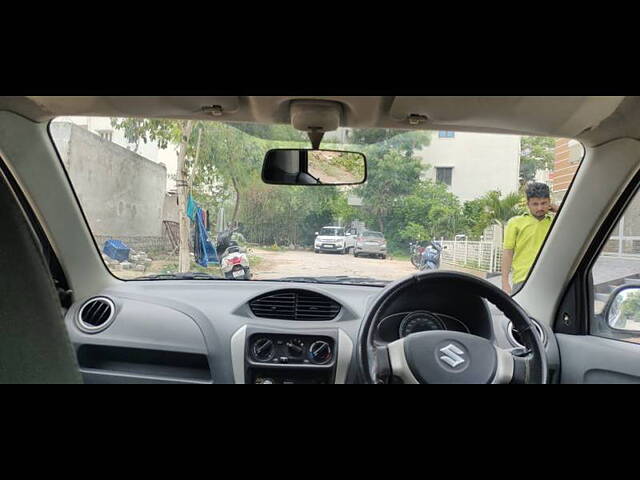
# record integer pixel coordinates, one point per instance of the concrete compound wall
(122, 193)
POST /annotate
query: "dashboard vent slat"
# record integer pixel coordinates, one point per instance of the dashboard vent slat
(95, 315)
(295, 305)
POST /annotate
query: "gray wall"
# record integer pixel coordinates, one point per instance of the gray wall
(121, 193)
(171, 210)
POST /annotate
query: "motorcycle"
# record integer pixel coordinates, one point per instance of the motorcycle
(431, 256)
(415, 253)
(234, 263)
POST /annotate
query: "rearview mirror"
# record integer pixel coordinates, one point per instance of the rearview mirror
(314, 167)
(623, 308)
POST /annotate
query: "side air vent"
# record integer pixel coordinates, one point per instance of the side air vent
(295, 305)
(96, 315)
(514, 335)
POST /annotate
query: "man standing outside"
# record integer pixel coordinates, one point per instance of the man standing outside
(524, 236)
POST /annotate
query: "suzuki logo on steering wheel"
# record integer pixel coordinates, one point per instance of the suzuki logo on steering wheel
(452, 355)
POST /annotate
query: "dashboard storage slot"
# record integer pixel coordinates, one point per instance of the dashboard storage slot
(285, 377)
(144, 362)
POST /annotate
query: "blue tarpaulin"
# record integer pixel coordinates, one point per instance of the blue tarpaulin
(203, 250)
(192, 208)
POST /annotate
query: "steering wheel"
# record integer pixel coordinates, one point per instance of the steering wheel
(443, 356)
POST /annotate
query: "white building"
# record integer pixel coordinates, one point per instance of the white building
(473, 164)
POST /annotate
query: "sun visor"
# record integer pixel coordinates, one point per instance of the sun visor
(553, 116)
(149, 106)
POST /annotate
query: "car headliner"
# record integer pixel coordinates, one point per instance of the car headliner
(591, 119)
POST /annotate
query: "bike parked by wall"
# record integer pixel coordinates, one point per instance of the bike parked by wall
(415, 254)
(431, 256)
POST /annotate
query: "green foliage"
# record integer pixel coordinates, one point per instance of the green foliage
(351, 162)
(476, 220)
(433, 207)
(536, 153)
(272, 132)
(630, 308)
(415, 232)
(163, 132)
(500, 210)
(391, 177)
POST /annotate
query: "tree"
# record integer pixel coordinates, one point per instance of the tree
(391, 177)
(536, 153)
(475, 218)
(229, 157)
(393, 171)
(500, 210)
(433, 208)
(164, 133)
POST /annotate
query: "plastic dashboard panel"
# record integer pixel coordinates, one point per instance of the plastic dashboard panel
(195, 321)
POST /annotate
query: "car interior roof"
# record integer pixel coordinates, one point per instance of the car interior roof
(591, 119)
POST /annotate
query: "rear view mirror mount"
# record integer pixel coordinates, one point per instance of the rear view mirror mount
(314, 167)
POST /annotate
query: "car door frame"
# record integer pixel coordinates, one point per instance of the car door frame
(587, 358)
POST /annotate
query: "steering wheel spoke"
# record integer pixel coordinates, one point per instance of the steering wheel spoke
(381, 365)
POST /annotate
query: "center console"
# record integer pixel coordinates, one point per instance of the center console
(275, 356)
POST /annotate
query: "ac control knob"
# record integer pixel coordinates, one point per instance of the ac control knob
(263, 349)
(295, 348)
(320, 352)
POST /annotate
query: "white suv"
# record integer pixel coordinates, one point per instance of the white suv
(334, 239)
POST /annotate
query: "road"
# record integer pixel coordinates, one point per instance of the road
(291, 263)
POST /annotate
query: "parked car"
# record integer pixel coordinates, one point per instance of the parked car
(334, 239)
(370, 243)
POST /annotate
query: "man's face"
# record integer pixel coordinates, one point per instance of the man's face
(539, 207)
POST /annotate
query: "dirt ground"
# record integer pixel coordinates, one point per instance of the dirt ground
(292, 263)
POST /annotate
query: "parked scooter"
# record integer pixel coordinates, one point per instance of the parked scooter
(431, 256)
(234, 263)
(415, 254)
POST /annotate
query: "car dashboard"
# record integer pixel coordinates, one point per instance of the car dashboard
(253, 332)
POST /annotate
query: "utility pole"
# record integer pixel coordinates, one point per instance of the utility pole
(184, 258)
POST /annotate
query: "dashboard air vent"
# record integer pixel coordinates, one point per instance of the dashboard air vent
(514, 335)
(96, 315)
(295, 305)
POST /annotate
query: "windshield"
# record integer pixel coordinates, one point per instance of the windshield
(168, 197)
(332, 232)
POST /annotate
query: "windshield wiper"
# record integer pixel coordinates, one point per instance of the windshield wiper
(344, 279)
(179, 276)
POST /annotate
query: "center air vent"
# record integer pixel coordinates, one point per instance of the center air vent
(96, 315)
(295, 305)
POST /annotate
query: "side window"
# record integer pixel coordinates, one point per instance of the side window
(616, 280)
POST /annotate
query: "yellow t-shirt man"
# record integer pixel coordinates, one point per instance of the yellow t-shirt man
(525, 235)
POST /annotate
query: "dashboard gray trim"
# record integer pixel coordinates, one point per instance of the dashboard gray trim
(122, 377)
(345, 351)
(238, 341)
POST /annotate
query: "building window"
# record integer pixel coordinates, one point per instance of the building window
(106, 135)
(443, 175)
(446, 134)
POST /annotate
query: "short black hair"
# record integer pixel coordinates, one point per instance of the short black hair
(537, 190)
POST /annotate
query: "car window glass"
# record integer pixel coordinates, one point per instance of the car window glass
(459, 189)
(616, 280)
